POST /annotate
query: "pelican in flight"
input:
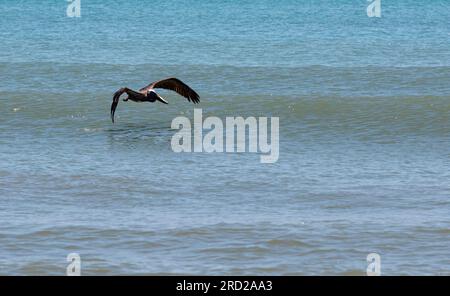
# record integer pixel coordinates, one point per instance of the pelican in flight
(148, 93)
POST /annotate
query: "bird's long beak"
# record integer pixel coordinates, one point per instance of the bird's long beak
(159, 98)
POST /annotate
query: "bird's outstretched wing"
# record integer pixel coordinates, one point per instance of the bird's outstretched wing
(176, 85)
(116, 98)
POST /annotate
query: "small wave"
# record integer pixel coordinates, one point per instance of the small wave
(93, 130)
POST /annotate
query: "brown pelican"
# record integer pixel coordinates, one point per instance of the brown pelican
(148, 94)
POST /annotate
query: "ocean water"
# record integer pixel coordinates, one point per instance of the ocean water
(364, 165)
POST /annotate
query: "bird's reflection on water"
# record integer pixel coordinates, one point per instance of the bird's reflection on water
(133, 134)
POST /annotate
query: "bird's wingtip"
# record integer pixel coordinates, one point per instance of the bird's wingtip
(112, 116)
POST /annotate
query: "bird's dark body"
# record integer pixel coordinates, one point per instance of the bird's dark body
(148, 97)
(148, 94)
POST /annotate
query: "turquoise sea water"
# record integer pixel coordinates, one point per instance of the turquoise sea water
(364, 108)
